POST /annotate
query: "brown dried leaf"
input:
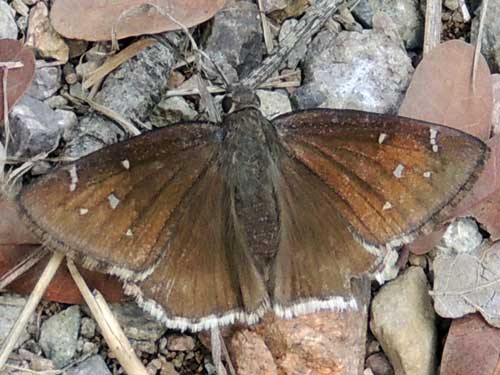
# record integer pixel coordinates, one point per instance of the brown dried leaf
(472, 347)
(62, 288)
(442, 92)
(129, 17)
(18, 79)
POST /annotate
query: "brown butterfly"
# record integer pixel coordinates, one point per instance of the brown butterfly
(209, 224)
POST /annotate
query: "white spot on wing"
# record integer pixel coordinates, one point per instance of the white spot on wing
(387, 206)
(433, 135)
(113, 201)
(398, 172)
(381, 138)
(428, 174)
(74, 178)
(126, 164)
(84, 211)
(129, 233)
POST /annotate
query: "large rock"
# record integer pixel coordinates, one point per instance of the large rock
(36, 128)
(367, 70)
(405, 14)
(403, 321)
(8, 27)
(330, 343)
(59, 336)
(236, 40)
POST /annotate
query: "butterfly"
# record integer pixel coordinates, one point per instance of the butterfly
(210, 224)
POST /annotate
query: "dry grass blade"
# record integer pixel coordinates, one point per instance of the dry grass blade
(477, 51)
(30, 307)
(268, 39)
(109, 113)
(115, 61)
(432, 34)
(111, 330)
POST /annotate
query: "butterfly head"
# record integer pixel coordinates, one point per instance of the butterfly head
(238, 98)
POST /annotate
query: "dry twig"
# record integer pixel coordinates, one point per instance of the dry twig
(432, 34)
(110, 328)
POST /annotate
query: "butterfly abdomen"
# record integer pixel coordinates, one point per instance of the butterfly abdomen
(252, 190)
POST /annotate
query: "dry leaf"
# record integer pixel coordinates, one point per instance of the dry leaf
(18, 79)
(441, 90)
(468, 282)
(62, 288)
(129, 17)
(472, 347)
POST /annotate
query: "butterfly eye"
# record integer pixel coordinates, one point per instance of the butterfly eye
(227, 104)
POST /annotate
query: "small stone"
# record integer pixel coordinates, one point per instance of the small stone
(273, 103)
(45, 83)
(252, 354)
(56, 102)
(35, 127)
(144, 346)
(167, 368)
(65, 119)
(461, 236)
(175, 109)
(42, 36)
(418, 260)
(87, 328)
(402, 315)
(451, 4)
(59, 336)
(180, 343)
(379, 364)
(20, 7)
(41, 364)
(137, 324)
(70, 75)
(8, 27)
(94, 365)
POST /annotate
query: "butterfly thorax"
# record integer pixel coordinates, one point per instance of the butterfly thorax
(250, 175)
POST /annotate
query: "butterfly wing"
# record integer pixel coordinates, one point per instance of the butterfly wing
(207, 277)
(346, 174)
(113, 206)
(154, 210)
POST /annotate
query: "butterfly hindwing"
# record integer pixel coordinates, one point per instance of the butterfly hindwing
(389, 175)
(317, 255)
(206, 276)
(111, 207)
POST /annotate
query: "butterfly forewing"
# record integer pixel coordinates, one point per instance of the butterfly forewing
(114, 206)
(388, 175)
